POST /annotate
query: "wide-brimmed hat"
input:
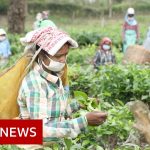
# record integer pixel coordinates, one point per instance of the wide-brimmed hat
(49, 39)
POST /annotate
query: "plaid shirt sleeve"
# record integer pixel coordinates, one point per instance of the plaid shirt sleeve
(113, 58)
(97, 60)
(72, 107)
(22, 105)
(68, 128)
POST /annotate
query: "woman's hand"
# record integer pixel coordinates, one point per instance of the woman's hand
(96, 118)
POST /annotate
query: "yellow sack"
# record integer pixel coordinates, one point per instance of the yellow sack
(10, 81)
(9, 86)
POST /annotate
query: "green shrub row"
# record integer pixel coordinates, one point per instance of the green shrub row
(71, 9)
(68, 9)
(114, 82)
(86, 38)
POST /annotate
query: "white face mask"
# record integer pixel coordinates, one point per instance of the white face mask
(2, 38)
(39, 17)
(106, 47)
(54, 65)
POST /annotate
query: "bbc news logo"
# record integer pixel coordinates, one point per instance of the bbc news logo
(21, 132)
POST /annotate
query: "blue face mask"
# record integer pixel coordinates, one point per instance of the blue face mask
(106, 47)
(130, 18)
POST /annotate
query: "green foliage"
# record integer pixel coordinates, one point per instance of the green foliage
(69, 9)
(9, 147)
(89, 103)
(78, 79)
(4, 6)
(16, 46)
(16, 49)
(86, 38)
(80, 8)
(113, 82)
(84, 8)
(82, 55)
(117, 126)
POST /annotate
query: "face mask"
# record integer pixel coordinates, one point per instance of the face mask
(106, 47)
(54, 65)
(39, 18)
(2, 38)
(130, 18)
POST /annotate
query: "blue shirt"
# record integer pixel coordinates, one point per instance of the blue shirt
(5, 48)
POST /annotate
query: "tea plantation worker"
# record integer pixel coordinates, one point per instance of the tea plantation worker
(130, 34)
(104, 54)
(46, 22)
(42, 95)
(5, 50)
(146, 43)
(37, 23)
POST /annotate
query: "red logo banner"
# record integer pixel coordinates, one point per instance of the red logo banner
(21, 132)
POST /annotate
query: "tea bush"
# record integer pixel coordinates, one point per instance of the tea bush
(16, 46)
(125, 83)
(113, 132)
(82, 55)
(86, 38)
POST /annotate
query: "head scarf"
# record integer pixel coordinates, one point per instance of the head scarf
(2, 32)
(49, 39)
(105, 40)
(45, 14)
(130, 22)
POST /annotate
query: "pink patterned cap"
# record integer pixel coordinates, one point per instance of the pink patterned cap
(49, 39)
